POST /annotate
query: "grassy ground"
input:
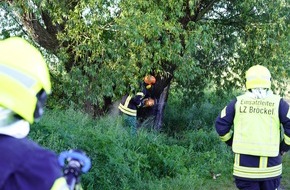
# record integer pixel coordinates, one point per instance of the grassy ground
(285, 183)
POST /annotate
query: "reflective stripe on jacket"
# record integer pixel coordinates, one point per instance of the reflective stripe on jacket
(257, 167)
(60, 184)
(130, 104)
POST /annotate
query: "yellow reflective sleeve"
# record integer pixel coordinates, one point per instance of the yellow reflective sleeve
(78, 187)
(227, 136)
(140, 94)
(287, 139)
(60, 184)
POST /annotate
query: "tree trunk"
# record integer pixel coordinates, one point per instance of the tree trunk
(161, 107)
(155, 114)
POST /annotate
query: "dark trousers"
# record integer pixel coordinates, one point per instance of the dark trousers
(258, 185)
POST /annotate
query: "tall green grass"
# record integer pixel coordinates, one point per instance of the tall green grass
(149, 161)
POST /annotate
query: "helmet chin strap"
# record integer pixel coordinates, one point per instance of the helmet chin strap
(11, 125)
(41, 99)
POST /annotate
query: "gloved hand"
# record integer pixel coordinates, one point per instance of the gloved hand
(283, 148)
(230, 141)
(148, 102)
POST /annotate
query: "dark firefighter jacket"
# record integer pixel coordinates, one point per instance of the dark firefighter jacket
(129, 104)
(25, 165)
(250, 166)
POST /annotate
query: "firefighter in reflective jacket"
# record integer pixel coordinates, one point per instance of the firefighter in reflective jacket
(24, 86)
(256, 117)
(129, 104)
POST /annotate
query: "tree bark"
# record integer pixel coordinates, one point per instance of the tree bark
(160, 107)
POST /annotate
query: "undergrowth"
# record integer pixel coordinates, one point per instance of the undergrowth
(186, 155)
(150, 160)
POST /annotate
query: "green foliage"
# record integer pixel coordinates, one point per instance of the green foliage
(195, 113)
(106, 47)
(286, 171)
(120, 161)
(10, 24)
(260, 36)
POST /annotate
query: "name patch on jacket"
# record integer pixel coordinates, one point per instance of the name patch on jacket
(257, 106)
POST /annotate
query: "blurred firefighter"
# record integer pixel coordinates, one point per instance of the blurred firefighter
(25, 85)
(131, 103)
